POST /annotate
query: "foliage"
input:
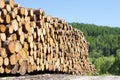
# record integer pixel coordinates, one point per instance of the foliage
(115, 68)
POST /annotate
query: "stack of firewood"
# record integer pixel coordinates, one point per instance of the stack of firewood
(31, 41)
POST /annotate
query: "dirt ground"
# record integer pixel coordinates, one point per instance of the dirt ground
(60, 77)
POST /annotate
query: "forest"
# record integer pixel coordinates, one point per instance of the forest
(104, 47)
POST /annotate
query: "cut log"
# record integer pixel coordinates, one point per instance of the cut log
(10, 2)
(23, 53)
(23, 68)
(8, 69)
(1, 61)
(7, 7)
(3, 36)
(30, 12)
(21, 11)
(14, 24)
(11, 47)
(13, 59)
(6, 61)
(7, 19)
(2, 69)
(18, 46)
(22, 38)
(4, 12)
(2, 28)
(15, 69)
(3, 52)
(2, 4)
(12, 14)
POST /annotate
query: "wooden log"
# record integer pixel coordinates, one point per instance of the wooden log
(1, 61)
(15, 10)
(1, 20)
(23, 53)
(2, 4)
(11, 47)
(23, 68)
(12, 14)
(34, 55)
(7, 18)
(0, 43)
(13, 59)
(33, 24)
(26, 45)
(8, 69)
(16, 5)
(6, 61)
(3, 52)
(18, 18)
(1, 69)
(22, 38)
(10, 2)
(4, 12)
(14, 23)
(31, 59)
(30, 12)
(3, 36)
(18, 46)
(2, 28)
(10, 28)
(30, 38)
(38, 11)
(21, 11)
(29, 68)
(34, 67)
(15, 68)
(7, 7)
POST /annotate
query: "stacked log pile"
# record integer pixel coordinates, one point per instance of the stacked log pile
(31, 41)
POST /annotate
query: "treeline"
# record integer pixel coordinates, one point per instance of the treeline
(104, 45)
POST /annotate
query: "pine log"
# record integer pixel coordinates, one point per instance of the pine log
(18, 46)
(1, 69)
(8, 68)
(30, 12)
(22, 38)
(15, 10)
(2, 4)
(23, 53)
(3, 52)
(1, 61)
(21, 11)
(23, 68)
(13, 59)
(15, 68)
(7, 7)
(14, 24)
(3, 36)
(12, 14)
(6, 61)
(11, 47)
(7, 19)
(10, 2)
(2, 28)
(4, 12)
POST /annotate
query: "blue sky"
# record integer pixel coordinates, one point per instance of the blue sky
(99, 12)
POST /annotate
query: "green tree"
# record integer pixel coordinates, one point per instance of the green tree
(115, 68)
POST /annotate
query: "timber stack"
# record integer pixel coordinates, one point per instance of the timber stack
(31, 41)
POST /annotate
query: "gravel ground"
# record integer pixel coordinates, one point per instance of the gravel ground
(60, 77)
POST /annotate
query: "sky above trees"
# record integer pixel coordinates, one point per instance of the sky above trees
(100, 12)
